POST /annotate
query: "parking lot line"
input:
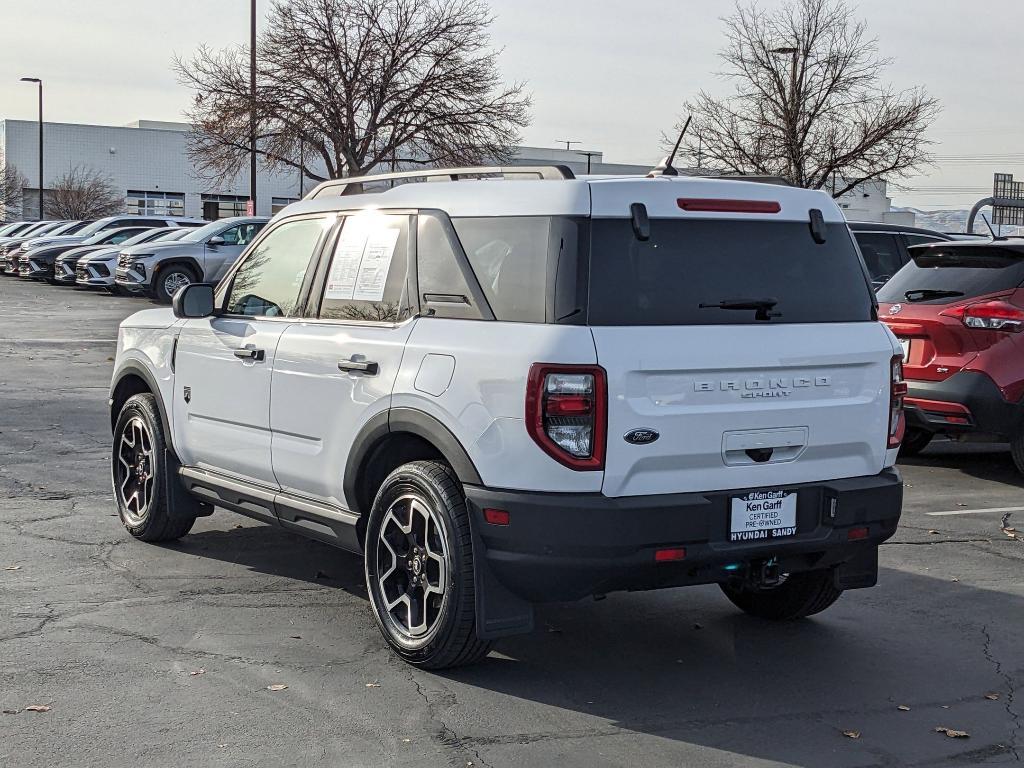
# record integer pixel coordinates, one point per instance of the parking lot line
(974, 511)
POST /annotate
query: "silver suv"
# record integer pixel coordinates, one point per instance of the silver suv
(200, 256)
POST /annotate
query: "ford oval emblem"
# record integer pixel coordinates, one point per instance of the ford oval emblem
(641, 436)
(895, 309)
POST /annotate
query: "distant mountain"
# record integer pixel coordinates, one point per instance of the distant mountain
(953, 221)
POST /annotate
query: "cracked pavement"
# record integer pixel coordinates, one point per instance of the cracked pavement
(111, 633)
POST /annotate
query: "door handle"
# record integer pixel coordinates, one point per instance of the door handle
(362, 366)
(249, 353)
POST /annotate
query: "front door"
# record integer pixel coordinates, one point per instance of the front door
(223, 364)
(220, 256)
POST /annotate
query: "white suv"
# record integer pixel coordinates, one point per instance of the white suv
(511, 386)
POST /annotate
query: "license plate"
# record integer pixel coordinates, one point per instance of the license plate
(905, 343)
(763, 515)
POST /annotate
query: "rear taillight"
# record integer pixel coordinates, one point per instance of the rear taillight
(567, 413)
(989, 316)
(897, 391)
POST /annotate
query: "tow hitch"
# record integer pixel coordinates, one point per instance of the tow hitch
(766, 573)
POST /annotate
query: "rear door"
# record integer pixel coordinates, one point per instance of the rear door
(739, 398)
(336, 370)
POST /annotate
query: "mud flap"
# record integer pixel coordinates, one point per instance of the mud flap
(181, 503)
(859, 572)
(499, 613)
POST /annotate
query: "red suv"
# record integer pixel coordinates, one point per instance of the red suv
(958, 309)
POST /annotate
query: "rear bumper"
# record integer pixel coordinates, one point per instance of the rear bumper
(966, 402)
(563, 547)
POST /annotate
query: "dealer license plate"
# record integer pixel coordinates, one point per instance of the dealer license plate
(763, 515)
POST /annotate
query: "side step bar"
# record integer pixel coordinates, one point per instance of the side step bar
(324, 522)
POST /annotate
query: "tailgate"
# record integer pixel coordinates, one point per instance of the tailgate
(743, 406)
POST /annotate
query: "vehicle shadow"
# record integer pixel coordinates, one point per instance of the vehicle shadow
(685, 666)
(985, 461)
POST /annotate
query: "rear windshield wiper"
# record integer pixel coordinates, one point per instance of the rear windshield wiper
(921, 294)
(762, 307)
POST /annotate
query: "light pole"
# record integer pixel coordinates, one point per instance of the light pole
(40, 84)
(588, 155)
(252, 106)
(568, 144)
(792, 106)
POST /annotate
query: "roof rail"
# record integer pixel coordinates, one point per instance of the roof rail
(354, 185)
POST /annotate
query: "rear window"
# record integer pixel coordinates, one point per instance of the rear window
(686, 263)
(955, 272)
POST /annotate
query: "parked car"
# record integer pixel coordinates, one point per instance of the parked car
(884, 246)
(9, 244)
(13, 227)
(11, 251)
(958, 310)
(508, 392)
(38, 263)
(94, 267)
(116, 222)
(27, 227)
(205, 254)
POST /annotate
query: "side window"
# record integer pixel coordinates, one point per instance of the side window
(881, 253)
(120, 237)
(510, 258)
(368, 275)
(241, 235)
(269, 281)
(913, 239)
(444, 291)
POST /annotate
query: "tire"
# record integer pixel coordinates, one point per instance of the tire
(167, 278)
(426, 498)
(138, 474)
(915, 441)
(1017, 451)
(798, 596)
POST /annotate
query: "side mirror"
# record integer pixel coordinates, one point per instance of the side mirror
(195, 300)
(216, 240)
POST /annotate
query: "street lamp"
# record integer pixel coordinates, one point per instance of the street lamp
(252, 105)
(40, 83)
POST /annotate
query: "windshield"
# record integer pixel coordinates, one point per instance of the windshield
(93, 228)
(943, 274)
(203, 233)
(145, 237)
(170, 235)
(725, 272)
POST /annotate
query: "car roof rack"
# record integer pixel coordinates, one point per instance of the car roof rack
(355, 185)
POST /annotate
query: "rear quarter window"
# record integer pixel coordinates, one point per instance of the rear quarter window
(686, 263)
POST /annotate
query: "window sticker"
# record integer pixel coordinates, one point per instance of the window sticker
(373, 271)
(341, 282)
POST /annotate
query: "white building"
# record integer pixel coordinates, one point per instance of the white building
(148, 161)
(870, 202)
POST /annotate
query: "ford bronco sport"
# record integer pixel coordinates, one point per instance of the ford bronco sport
(511, 385)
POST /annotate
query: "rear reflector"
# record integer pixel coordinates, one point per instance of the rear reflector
(497, 516)
(670, 555)
(856, 534)
(715, 205)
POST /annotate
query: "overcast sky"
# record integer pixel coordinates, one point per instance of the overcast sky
(611, 74)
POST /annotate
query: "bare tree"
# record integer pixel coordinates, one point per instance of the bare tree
(353, 84)
(809, 103)
(82, 193)
(12, 182)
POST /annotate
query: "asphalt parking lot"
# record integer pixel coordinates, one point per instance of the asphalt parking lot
(162, 655)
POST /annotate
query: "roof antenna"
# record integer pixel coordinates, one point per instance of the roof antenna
(665, 168)
(991, 231)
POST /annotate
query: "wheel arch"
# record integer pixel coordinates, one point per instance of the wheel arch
(395, 437)
(133, 378)
(188, 261)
